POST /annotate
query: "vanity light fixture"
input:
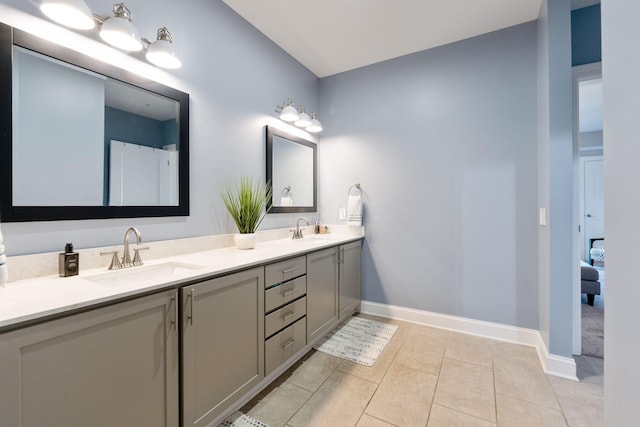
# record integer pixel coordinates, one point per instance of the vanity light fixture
(303, 118)
(299, 117)
(116, 30)
(70, 13)
(315, 125)
(160, 52)
(287, 111)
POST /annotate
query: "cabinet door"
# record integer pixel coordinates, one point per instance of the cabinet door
(223, 343)
(322, 292)
(349, 300)
(113, 366)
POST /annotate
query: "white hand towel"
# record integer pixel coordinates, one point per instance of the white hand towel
(286, 201)
(354, 210)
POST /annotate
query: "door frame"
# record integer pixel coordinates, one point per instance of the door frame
(579, 73)
(584, 247)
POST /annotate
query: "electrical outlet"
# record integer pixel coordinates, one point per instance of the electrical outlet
(543, 216)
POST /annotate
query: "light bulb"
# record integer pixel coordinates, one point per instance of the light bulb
(119, 32)
(289, 113)
(70, 13)
(161, 53)
(315, 125)
(303, 119)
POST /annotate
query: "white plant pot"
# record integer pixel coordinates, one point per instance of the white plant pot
(245, 241)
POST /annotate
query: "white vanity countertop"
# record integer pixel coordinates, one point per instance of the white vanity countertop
(37, 298)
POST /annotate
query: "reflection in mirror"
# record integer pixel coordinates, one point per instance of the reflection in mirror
(291, 169)
(122, 140)
(85, 144)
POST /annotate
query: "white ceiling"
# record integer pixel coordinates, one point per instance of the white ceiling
(125, 97)
(332, 36)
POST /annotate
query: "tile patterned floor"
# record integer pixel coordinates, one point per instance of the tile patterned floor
(429, 377)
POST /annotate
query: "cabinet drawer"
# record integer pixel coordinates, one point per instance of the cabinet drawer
(287, 292)
(285, 316)
(284, 270)
(282, 346)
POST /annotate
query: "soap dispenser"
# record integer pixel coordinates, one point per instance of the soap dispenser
(68, 262)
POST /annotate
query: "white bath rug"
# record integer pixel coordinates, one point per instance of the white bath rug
(238, 419)
(358, 340)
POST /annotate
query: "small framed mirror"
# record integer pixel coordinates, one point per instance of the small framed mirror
(291, 170)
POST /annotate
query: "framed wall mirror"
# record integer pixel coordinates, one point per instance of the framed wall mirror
(82, 139)
(291, 170)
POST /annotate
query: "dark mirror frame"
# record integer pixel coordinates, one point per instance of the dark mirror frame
(8, 213)
(291, 209)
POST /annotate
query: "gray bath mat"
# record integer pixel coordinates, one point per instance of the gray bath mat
(358, 340)
(238, 419)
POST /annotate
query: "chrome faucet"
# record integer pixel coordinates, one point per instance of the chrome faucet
(116, 263)
(126, 257)
(297, 234)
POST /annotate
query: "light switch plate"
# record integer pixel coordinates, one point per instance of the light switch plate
(342, 213)
(543, 216)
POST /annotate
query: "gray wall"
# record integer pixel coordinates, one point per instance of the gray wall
(621, 94)
(444, 145)
(235, 77)
(555, 171)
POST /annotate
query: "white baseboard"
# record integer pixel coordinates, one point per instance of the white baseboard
(559, 366)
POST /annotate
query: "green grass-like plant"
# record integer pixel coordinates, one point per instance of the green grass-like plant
(248, 203)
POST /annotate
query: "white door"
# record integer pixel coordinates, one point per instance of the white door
(593, 193)
(142, 176)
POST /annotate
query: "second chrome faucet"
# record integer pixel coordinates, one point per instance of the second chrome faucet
(126, 261)
(297, 233)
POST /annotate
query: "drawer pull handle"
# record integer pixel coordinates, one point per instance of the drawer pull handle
(289, 343)
(288, 316)
(289, 292)
(190, 296)
(174, 321)
(289, 270)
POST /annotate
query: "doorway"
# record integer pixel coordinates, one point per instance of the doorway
(588, 308)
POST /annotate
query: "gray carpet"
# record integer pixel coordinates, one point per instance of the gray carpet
(592, 331)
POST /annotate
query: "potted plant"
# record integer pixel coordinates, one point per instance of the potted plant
(248, 203)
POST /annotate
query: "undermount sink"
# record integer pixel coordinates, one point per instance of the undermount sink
(145, 273)
(319, 237)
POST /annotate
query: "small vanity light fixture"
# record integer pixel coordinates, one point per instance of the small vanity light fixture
(287, 111)
(299, 117)
(160, 52)
(303, 118)
(315, 125)
(70, 13)
(116, 30)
